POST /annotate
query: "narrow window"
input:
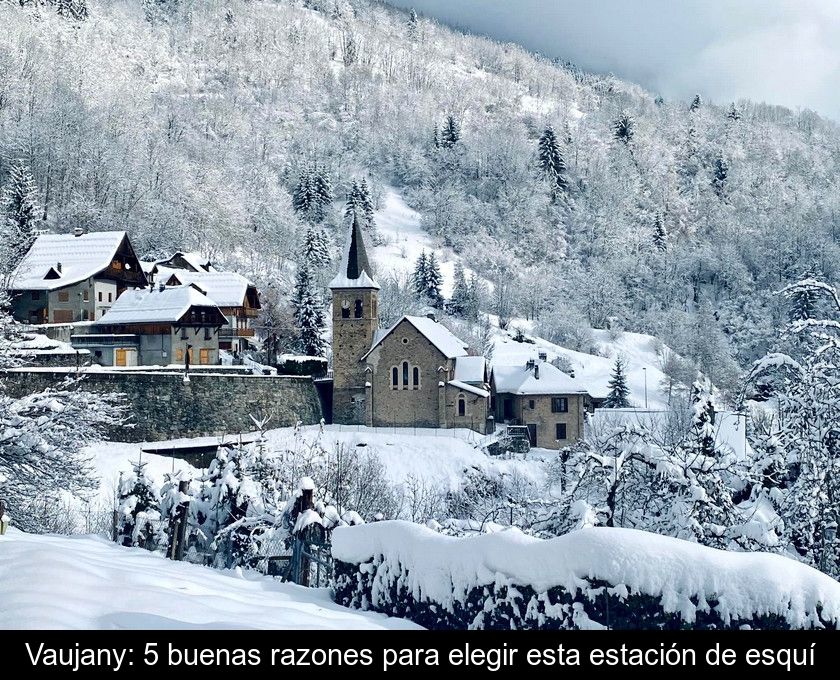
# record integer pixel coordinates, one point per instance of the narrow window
(462, 405)
(358, 309)
(100, 296)
(204, 356)
(531, 404)
(560, 431)
(395, 377)
(110, 297)
(405, 374)
(179, 354)
(86, 295)
(416, 376)
(345, 310)
(207, 333)
(64, 296)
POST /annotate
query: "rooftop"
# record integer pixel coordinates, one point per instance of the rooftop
(521, 379)
(226, 289)
(144, 305)
(355, 270)
(438, 334)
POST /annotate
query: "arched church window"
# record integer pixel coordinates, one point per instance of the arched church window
(416, 377)
(358, 309)
(395, 377)
(405, 374)
(345, 310)
(462, 405)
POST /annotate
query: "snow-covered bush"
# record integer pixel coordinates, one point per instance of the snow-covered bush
(139, 521)
(592, 578)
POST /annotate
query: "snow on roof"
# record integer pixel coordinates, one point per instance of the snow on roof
(470, 369)
(678, 573)
(438, 334)
(520, 379)
(466, 387)
(144, 305)
(226, 289)
(80, 258)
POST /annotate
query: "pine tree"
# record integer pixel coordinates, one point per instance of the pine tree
(733, 114)
(420, 276)
(322, 194)
(720, 173)
(460, 293)
(316, 252)
(413, 25)
(624, 128)
(802, 301)
(366, 201)
(19, 208)
(552, 163)
(451, 133)
(618, 390)
(696, 103)
(660, 235)
(353, 204)
(303, 196)
(308, 314)
(436, 136)
(434, 281)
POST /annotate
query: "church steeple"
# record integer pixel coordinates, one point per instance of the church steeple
(355, 271)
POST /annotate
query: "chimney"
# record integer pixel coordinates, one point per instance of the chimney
(529, 365)
(543, 356)
(162, 286)
(536, 372)
(58, 267)
(78, 231)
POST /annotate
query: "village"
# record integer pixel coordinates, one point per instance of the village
(91, 293)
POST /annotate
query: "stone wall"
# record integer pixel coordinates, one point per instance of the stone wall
(163, 406)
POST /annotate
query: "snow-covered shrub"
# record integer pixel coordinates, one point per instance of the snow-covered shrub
(139, 521)
(592, 578)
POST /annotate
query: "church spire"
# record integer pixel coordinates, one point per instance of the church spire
(355, 271)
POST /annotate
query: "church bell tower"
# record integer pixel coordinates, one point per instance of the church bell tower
(355, 316)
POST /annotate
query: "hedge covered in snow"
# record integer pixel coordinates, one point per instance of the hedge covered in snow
(592, 578)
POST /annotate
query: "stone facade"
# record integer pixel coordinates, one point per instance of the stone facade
(536, 411)
(163, 406)
(416, 404)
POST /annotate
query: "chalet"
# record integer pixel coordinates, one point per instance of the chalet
(156, 326)
(414, 374)
(236, 297)
(540, 396)
(70, 278)
(191, 262)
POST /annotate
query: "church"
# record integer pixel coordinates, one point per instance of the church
(414, 374)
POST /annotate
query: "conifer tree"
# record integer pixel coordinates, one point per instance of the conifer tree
(19, 209)
(618, 390)
(322, 194)
(733, 114)
(420, 275)
(316, 252)
(802, 301)
(696, 103)
(624, 128)
(720, 173)
(303, 194)
(353, 204)
(451, 133)
(436, 136)
(413, 25)
(551, 162)
(460, 293)
(308, 314)
(366, 202)
(138, 516)
(434, 281)
(660, 235)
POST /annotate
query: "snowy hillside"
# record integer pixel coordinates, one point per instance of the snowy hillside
(87, 582)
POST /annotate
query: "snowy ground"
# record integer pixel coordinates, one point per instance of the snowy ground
(437, 457)
(88, 582)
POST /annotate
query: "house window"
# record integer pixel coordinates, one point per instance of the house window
(110, 297)
(116, 264)
(462, 405)
(36, 294)
(358, 311)
(85, 316)
(179, 354)
(531, 404)
(405, 375)
(100, 296)
(560, 431)
(416, 377)
(64, 296)
(183, 332)
(345, 310)
(204, 356)
(395, 377)
(559, 405)
(208, 333)
(86, 295)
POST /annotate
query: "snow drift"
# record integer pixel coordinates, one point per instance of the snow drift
(597, 577)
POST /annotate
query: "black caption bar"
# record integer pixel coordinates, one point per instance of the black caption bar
(126, 653)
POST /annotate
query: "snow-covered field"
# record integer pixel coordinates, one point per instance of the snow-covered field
(88, 582)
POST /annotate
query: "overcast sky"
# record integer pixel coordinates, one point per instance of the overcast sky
(779, 51)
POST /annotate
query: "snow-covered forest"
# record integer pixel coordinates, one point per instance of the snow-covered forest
(194, 124)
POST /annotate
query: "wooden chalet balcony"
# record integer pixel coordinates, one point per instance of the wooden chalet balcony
(230, 332)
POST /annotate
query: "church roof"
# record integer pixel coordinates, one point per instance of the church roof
(355, 271)
(438, 334)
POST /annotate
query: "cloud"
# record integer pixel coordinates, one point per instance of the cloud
(780, 51)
